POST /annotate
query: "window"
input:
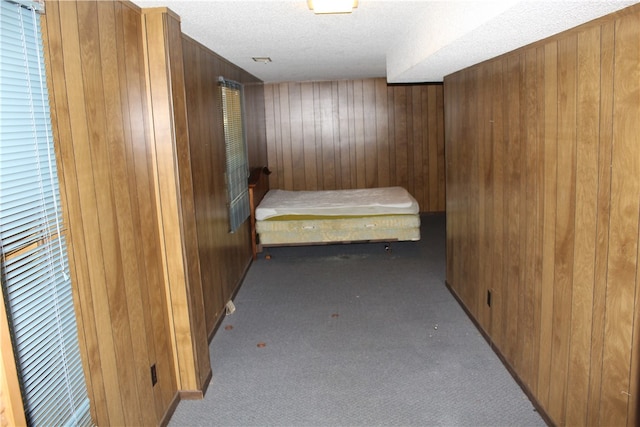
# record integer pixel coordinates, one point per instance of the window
(237, 173)
(34, 270)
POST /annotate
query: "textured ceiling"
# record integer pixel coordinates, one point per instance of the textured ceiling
(404, 41)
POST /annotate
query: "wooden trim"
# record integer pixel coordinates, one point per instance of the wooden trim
(258, 187)
(191, 395)
(11, 407)
(171, 408)
(512, 371)
(233, 295)
(167, 116)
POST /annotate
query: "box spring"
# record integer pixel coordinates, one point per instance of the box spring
(340, 229)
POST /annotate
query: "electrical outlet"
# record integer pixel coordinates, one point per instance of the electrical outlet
(154, 375)
(489, 297)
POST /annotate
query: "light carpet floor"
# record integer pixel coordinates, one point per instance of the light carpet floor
(353, 335)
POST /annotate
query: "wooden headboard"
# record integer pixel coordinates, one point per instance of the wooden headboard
(258, 187)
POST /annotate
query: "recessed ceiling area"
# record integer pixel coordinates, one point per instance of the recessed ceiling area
(404, 41)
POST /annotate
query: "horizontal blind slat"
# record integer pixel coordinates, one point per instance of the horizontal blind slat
(34, 264)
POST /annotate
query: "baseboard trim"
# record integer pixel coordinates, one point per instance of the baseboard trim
(206, 382)
(184, 395)
(233, 295)
(170, 410)
(546, 418)
(191, 394)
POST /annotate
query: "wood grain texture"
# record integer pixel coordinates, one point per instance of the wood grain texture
(623, 230)
(602, 221)
(357, 134)
(140, 149)
(496, 233)
(167, 190)
(559, 176)
(588, 105)
(11, 406)
(224, 256)
(565, 225)
(550, 167)
(94, 58)
(175, 194)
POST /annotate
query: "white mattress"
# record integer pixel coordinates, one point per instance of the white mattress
(360, 202)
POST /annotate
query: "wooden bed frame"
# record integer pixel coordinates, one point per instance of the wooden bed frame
(368, 228)
(258, 187)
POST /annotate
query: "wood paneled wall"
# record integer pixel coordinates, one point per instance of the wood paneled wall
(95, 69)
(224, 256)
(357, 134)
(140, 146)
(543, 178)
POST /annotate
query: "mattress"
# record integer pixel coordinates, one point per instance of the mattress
(339, 229)
(358, 202)
(303, 217)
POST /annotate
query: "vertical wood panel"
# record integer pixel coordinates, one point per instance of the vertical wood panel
(285, 138)
(328, 157)
(224, 256)
(358, 115)
(96, 72)
(369, 103)
(513, 205)
(61, 115)
(98, 101)
(470, 156)
(529, 247)
(416, 135)
(271, 129)
(588, 103)
(357, 134)
(116, 152)
(352, 135)
(565, 224)
(563, 194)
(431, 148)
(342, 134)
(400, 148)
(540, 222)
(441, 153)
(98, 160)
(296, 134)
(308, 171)
(550, 117)
(382, 132)
(278, 136)
(623, 231)
(602, 220)
(496, 89)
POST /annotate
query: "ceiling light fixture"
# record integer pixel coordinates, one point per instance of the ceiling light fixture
(332, 6)
(263, 59)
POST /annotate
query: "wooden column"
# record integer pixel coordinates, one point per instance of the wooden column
(174, 192)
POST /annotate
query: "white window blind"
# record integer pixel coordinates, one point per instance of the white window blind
(34, 270)
(237, 173)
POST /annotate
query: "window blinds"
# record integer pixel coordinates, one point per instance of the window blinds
(237, 173)
(35, 282)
